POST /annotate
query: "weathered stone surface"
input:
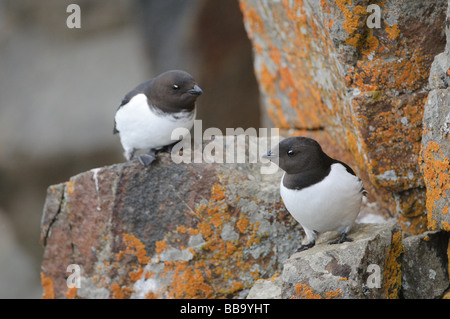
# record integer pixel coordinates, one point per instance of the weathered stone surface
(435, 158)
(171, 231)
(380, 263)
(425, 265)
(435, 151)
(215, 230)
(369, 267)
(320, 67)
(266, 289)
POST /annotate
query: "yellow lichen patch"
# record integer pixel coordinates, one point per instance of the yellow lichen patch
(236, 286)
(136, 275)
(134, 247)
(413, 225)
(393, 31)
(392, 275)
(370, 45)
(71, 293)
(181, 229)
(436, 173)
(407, 72)
(287, 71)
(151, 295)
(280, 117)
(253, 20)
(160, 246)
(267, 80)
(216, 268)
(217, 192)
(188, 282)
(119, 292)
(70, 187)
(242, 224)
(304, 291)
(334, 294)
(445, 226)
(47, 285)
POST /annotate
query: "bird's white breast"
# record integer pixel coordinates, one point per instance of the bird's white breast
(141, 128)
(331, 204)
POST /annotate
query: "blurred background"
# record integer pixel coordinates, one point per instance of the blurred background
(60, 88)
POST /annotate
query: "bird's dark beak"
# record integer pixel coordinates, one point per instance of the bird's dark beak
(269, 155)
(196, 90)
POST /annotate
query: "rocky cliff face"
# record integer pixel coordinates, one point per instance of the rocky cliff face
(378, 95)
(172, 231)
(327, 66)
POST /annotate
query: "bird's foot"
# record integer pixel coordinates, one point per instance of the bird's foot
(341, 239)
(168, 148)
(146, 159)
(305, 247)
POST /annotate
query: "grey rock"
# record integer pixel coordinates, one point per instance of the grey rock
(425, 265)
(266, 289)
(169, 231)
(347, 270)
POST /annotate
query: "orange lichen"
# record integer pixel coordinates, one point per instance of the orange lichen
(70, 187)
(188, 282)
(242, 224)
(119, 292)
(387, 69)
(181, 229)
(333, 294)
(352, 21)
(393, 31)
(253, 20)
(134, 247)
(436, 173)
(47, 285)
(136, 275)
(195, 279)
(151, 295)
(267, 80)
(408, 72)
(205, 228)
(160, 246)
(445, 226)
(217, 192)
(236, 286)
(392, 275)
(279, 113)
(71, 293)
(304, 291)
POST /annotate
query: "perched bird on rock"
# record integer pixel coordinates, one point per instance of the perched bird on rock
(321, 193)
(148, 114)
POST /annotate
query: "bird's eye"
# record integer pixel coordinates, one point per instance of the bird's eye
(175, 87)
(290, 152)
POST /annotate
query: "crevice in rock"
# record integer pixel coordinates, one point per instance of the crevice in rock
(55, 218)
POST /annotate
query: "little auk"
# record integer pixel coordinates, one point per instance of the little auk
(148, 114)
(321, 193)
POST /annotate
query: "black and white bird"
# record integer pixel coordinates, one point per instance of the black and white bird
(321, 193)
(148, 114)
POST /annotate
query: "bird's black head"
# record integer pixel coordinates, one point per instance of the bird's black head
(174, 91)
(298, 154)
